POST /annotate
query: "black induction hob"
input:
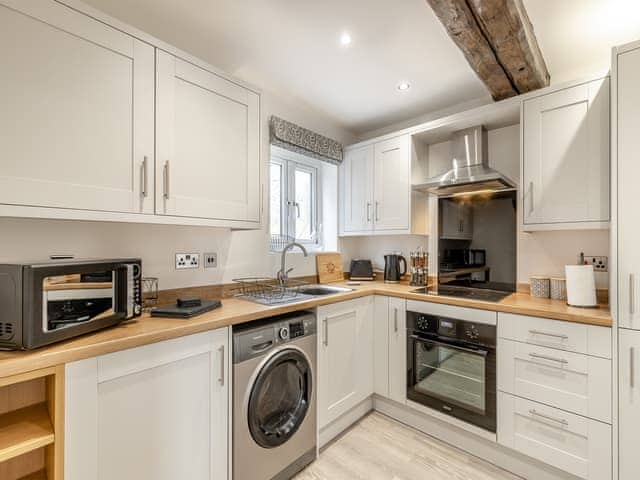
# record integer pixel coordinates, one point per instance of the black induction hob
(482, 294)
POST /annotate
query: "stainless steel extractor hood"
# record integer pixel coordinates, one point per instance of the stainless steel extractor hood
(471, 172)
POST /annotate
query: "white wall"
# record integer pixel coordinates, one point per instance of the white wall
(375, 248)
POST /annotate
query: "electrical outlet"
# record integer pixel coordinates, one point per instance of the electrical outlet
(210, 260)
(600, 264)
(187, 260)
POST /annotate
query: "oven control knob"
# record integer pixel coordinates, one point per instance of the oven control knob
(284, 333)
(472, 332)
(423, 323)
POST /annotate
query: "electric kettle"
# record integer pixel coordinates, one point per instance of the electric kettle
(392, 273)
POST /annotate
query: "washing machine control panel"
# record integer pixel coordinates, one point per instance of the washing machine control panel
(296, 329)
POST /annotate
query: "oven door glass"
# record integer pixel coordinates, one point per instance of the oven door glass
(452, 373)
(69, 300)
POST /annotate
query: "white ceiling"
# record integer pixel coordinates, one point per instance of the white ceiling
(292, 48)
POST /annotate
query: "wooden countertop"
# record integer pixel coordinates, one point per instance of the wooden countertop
(147, 330)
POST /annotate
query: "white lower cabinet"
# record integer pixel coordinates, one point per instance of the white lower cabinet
(575, 444)
(345, 357)
(381, 346)
(629, 404)
(571, 381)
(156, 412)
(398, 349)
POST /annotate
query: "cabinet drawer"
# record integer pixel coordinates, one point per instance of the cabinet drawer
(571, 381)
(572, 337)
(572, 443)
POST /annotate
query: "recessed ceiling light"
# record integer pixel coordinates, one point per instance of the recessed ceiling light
(403, 86)
(345, 39)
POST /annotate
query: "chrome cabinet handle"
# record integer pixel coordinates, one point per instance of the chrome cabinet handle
(395, 320)
(547, 334)
(145, 186)
(166, 180)
(561, 421)
(531, 207)
(222, 372)
(544, 357)
(377, 216)
(368, 211)
(632, 294)
(326, 332)
(632, 367)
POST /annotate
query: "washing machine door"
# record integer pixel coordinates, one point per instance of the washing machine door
(280, 398)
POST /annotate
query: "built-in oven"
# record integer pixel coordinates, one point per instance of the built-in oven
(451, 367)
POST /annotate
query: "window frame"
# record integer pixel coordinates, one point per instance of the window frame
(290, 162)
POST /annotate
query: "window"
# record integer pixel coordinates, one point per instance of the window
(294, 204)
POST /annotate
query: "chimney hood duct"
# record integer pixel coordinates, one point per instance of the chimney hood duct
(471, 172)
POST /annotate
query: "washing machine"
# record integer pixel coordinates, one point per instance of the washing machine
(274, 397)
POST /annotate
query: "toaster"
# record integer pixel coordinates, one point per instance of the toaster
(361, 270)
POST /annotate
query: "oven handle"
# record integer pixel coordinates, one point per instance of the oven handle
(480, 351)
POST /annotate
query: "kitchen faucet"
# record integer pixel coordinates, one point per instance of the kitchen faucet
(283, 274)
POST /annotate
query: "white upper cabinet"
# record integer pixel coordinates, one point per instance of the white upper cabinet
(392, 190)
(375, 189)
(76, 120)
(357, 204)
(628, 146)
(208, 144)
(565, 164)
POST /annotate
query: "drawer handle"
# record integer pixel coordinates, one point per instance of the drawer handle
(547, 334)
(544, 357)
(561, 421)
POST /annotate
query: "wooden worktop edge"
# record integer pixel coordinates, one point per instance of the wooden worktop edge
(143, 331)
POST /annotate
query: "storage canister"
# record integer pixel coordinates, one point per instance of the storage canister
(540, 286)
(558, 288)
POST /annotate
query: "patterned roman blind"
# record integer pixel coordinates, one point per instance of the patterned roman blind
(298, 139)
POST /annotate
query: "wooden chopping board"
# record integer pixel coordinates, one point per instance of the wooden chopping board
(329, 267)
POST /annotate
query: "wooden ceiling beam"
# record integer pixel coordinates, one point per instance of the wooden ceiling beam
(497, 39)
(507, 27)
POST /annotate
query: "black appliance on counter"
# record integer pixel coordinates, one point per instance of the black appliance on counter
(451, 367)
(43, 303)
(392, 272)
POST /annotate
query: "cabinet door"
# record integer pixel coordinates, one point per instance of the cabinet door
(345, 367)
(629, 404)
(208, 144)
(357, 197)
(156, 412)
(381, 346)
(566, 155)
(628, 106)
(392, 191)
(77, 111)
(397, 349)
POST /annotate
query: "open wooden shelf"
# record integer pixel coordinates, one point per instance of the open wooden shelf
(25, 430)
(39, 475)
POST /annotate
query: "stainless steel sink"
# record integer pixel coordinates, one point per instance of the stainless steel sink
(320, 290)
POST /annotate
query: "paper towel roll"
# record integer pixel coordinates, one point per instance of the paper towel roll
(581, 285)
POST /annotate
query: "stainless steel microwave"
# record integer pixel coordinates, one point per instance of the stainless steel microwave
(43, 303)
